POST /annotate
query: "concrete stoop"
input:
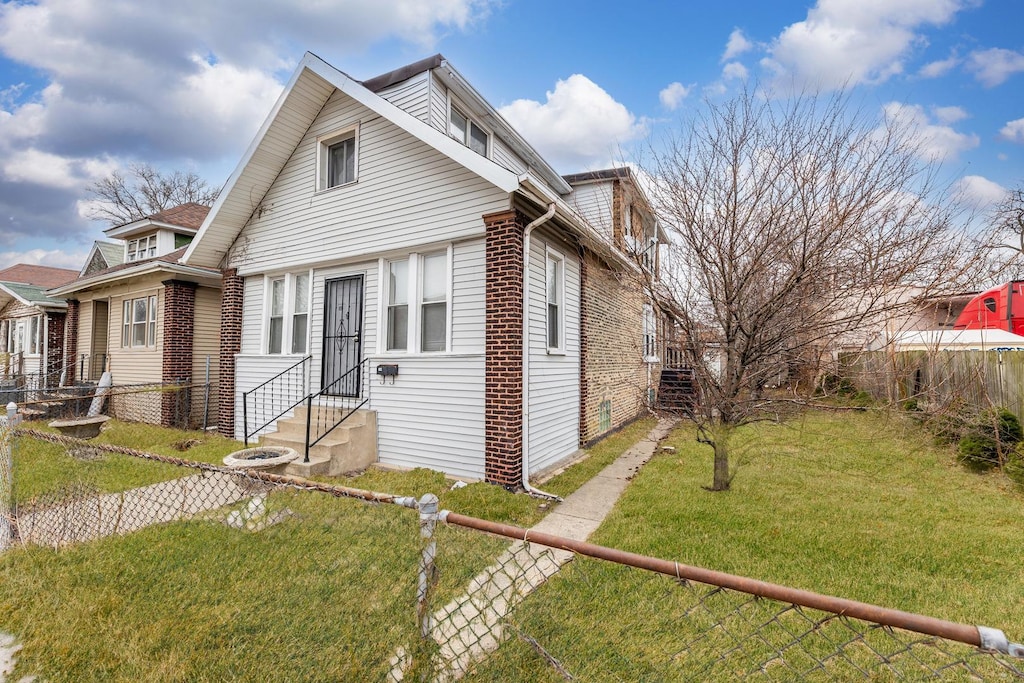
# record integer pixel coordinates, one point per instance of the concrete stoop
(351, 446)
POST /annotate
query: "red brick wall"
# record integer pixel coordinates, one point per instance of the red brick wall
(611, 360)
(503, 408)
(71, 339)
(179, 327)
(55, 323)
(230, 345)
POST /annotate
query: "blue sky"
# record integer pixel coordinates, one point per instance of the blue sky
(89, 86)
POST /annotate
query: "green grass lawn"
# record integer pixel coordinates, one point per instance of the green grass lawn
(856, 505)
(326, 594)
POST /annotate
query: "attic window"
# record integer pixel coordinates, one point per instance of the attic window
(337, 159)
(467, 131)
(142, 248)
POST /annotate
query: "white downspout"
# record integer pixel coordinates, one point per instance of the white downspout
(526, 352)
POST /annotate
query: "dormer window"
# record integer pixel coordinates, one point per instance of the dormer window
(141, 248)
(467, 131)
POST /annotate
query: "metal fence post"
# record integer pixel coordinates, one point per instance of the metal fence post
(428, 573)
(7, 425)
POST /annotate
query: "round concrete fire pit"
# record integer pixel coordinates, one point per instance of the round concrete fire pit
(260, 458)
(80, 427)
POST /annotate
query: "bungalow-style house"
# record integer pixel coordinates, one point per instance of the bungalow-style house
(397, 243)
(31, 324)
(145, 317)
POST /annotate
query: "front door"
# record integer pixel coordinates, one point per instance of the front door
(343, 335)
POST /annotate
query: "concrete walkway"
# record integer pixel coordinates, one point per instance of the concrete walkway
(470, 627)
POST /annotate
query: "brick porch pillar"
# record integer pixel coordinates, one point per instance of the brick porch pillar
(55, 323)
(503, 403)
(179, 325)
(232, 297)
(71, 339)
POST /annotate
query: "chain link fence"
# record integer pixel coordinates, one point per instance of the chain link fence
(470, 599)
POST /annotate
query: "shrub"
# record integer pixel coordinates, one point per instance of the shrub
(837, 385)
(991, 438)
(1015, 465)
(911, 405)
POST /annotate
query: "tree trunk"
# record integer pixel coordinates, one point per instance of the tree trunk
(722, 478)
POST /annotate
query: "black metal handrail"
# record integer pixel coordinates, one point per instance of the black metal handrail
(329, 398)
(280, 390)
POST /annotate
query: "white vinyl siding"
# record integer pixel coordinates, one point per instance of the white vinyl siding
(411, 95)
(407, 195)
(503, 155)
(593, 202)
(554, 378)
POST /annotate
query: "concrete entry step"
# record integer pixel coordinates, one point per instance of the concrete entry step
(350, 447)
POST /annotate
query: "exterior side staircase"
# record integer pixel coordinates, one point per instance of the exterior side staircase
(349, 447)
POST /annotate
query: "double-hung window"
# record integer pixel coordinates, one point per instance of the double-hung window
(555, 295)
(288, 313)
(467, 131)
(418, 293)
(337, 159)
(138, 322)
(650, 340)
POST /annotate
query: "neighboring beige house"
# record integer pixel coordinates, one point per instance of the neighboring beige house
(148, 319)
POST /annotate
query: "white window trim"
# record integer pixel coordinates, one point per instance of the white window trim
(550, 254)
(132, 255)
(323, 142)
(650, 328)
(288, 313)
(464, 110)
(414, 336)
(128, 321)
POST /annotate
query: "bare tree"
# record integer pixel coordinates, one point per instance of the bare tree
(1008, 221)
(143, 191)
(794, 224)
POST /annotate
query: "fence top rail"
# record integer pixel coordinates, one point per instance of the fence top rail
(277, 479)
(978, 636)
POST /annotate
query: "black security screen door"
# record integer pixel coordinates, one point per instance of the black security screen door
(343, 329)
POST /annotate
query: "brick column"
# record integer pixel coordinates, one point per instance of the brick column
(232, 297)
(179, 324)
(55, 323)
(71, 339)
(503, 407)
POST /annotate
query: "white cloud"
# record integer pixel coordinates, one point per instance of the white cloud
(1013, 131)
(177, 87)
(673, 94)
(992, 67)
(734, 71)
(847, 42)
(737, 45)
(949, 115)
(936, 141)
(980, 192)
(939, 68)
(577, 126)
(42, 257)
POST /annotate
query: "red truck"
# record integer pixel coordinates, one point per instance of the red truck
(999, 308)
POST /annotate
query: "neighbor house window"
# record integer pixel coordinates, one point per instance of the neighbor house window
(336, 159)
(138, 318)
(418, 293)
(650, 340)
(142, 248)
(555, 287)
(467, 131)
(287, 311)
(33, 335)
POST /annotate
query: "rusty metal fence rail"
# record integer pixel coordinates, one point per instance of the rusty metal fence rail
(519, 616)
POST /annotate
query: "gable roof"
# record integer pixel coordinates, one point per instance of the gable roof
(41, 276)
(168, 263)
(305, 94)
(187, 216)
(29, 295)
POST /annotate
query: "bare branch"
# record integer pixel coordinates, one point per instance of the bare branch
(144, 191)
